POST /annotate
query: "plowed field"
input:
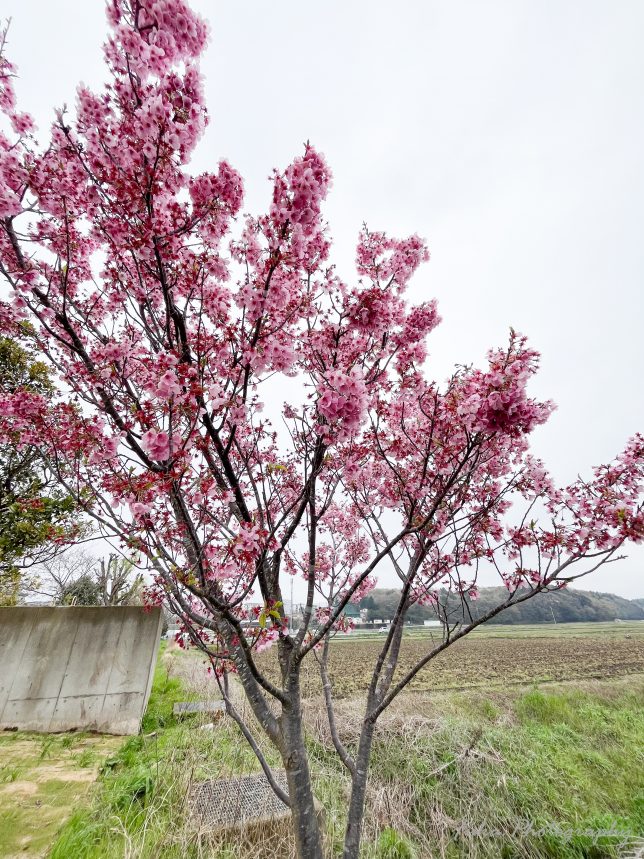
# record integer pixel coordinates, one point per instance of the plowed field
(487, 660)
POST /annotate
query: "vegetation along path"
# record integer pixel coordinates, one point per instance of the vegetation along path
(537, 772)
(42, 779)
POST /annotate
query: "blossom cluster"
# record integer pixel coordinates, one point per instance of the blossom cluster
(386, 260)
(154, 35)
(342, 403)
(497, 400)
(13, 174)
(170, 326)
(298, 194)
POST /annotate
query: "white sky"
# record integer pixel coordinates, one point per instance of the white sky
(509, 134)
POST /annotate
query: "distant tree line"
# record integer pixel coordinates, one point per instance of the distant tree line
(75, 578)
(565, 606)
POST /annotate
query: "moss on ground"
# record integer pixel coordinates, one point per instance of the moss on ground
(42, 779)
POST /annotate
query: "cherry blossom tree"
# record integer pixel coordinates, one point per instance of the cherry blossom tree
(171, 323)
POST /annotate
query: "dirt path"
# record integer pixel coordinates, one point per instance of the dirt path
(43, 779)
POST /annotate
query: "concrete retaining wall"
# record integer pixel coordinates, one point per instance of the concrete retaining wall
(81, 667)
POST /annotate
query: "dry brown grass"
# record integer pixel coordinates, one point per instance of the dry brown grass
(445, 765)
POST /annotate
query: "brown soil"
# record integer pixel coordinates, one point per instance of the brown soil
(483, 661)
(24, 788)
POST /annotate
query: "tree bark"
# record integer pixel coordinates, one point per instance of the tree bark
(308, 840)
(358, 792)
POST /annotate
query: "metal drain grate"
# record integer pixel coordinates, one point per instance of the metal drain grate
(220, 803)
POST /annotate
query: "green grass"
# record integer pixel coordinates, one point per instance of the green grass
(391, 845)
(548, 772)
(545, 779)
(141, 798)
(41, 780)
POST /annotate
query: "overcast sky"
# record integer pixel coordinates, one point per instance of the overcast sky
(508, 134)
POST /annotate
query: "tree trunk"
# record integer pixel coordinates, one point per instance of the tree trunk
(308, 840)
(358, 793)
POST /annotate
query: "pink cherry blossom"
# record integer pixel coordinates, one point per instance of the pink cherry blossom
(168, 385)
(156, 444)
(175, 330)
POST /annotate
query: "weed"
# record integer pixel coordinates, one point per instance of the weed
(68, 741)
(391, 845)
(9, 773)
(47, 747)
(87, 758)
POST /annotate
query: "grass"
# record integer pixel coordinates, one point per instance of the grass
(521, 773)
(552, 775)
(141, 799)
(41, 780)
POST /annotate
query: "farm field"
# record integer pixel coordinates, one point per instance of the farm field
(496, 656)
(515, 630)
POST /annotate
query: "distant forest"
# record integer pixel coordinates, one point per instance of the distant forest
(565, 606)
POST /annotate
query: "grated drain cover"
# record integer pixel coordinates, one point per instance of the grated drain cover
(223, 802)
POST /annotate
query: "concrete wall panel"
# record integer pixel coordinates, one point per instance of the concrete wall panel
(12, 646)
(85, 668)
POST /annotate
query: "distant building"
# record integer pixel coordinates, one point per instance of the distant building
(352, 612)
